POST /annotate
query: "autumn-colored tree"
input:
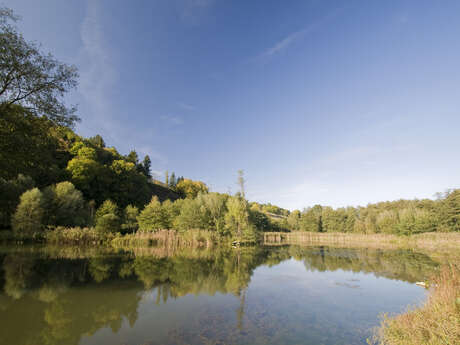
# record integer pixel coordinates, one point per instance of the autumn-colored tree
(190, 188)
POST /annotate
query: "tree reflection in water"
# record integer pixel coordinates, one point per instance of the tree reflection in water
(57, 296)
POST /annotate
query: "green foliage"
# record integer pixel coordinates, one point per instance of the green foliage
(31, 78)
(192, 215)
(130, 219)
(190, 189)
(450, 211)
(402, 217)
(153, 217)
(216, 206)
(65, 205)
(145, 167)
(237, 217)
(27, 146)
(107, 218)
(10, 191)
(28, 218)
(259, 219)
(76, 235)
(311, 219)
(293, 220)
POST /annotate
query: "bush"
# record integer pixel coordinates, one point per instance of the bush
(107, 218)
(153, 217)
(65, 205)
(28, 218)
(130, 219)
(10, 192)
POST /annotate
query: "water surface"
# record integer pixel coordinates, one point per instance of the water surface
(264, 295)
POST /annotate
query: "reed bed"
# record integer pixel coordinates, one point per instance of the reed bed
(168, 238)
(437, 322)
(429, 241)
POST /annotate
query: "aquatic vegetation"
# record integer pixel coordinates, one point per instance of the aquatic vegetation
(435, 323)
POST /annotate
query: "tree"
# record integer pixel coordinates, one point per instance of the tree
(107, 218)
(66, 206)
(132, 157)
(215, 203)
(28, 218)
(241, 182)
(153, 217)
(97, 141)
(293, 220)
(27, 146)
(450, 210)
(259, 219)
(172, 180)
(146, 165)
(190, 189)
(10, 192)
(237, 217)
(311, 219)
(130, 219)
(192, 215)
(31, 78)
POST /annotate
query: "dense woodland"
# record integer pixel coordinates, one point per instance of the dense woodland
(52, 177)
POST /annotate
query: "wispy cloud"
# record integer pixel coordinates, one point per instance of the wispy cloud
(191, 11)
(174, 120)
(186, 106)
(97, 75)
(285, 42)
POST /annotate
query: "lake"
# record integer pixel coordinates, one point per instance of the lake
(146, 296)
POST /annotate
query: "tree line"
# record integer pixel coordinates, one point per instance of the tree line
(403, 217)
(51, 177)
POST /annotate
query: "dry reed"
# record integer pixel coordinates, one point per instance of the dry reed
(435, 323)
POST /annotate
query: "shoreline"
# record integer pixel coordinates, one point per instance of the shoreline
(428, 241)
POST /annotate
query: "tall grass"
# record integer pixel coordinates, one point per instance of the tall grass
(429, 241)
(435, 323)
(76, 235)
(168, 238)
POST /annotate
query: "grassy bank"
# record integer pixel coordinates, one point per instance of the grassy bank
(430, 241)
(435, 323)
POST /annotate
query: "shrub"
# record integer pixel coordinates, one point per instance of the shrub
(10, 192)
(107, 218)
(153, 217)
(130, 219)
(28, 218)
(65, 205)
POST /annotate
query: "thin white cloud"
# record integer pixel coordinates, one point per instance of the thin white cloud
(186, 106)
(174, 120)
(97, 75)
(191, 11)
(285, 42)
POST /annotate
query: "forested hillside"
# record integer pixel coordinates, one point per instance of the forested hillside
(52, 177)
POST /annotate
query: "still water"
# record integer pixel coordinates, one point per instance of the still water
(264, 295)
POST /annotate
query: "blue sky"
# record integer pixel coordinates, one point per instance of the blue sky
(331, 102)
